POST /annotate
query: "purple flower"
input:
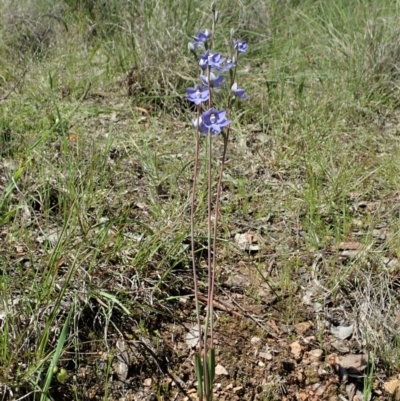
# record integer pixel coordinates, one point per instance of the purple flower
(215, 82)
(199, 125)
(228, 65)
(240, 46)
(202, 37)
(198, 94)
(215, 120)
(215, 60)
(209, 59)
(238, 92)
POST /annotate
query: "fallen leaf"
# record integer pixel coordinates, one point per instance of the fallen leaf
(265, 355)
(353, 362)
(393, 388)
(192, 337)
(296, 349)
(51, 237)
(220, 370)
(350, 254)
(349, 249)
(351, 391)
(302, 327)
(349, 246)
(122, 360)
(143, 110)
(342, 332)
(237, 389)
(247, 242)
(318, 389)
(345, 366)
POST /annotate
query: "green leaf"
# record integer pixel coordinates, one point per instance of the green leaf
(199, 374)
(55, 359)
(211, 370)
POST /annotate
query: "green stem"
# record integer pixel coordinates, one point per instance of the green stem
(209, 315)
(192, 213)
(218, 196)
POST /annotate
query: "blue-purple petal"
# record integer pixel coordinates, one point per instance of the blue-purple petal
(240, 46)
(219, 81)
(214, 82)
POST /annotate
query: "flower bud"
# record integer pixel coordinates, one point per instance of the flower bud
(213, 6)
(62, 376)
(216, 16)
(233, 31)
(191, 47)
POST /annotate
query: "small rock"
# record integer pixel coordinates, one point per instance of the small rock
(340, 346)
(296, 349)
(265, 355)
(318, 307)
(315, 355)
(255, 340)
(148, 382)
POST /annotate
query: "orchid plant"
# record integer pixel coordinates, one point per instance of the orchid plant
(210, 122)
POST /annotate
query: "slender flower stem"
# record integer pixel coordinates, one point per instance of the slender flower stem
(210, 123)
(209, 87)
(210, 310)
(192, 212)
(218, 196)
(209, 314)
